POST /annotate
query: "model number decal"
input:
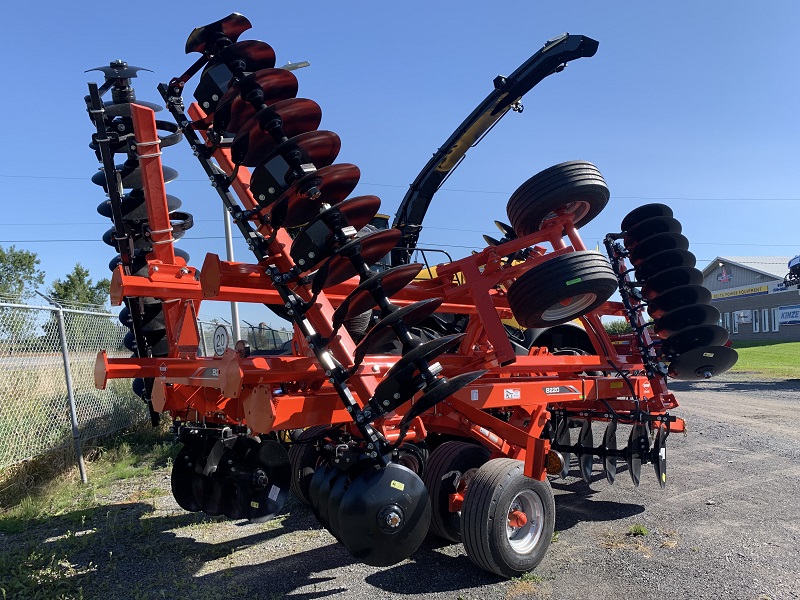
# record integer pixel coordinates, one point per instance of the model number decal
(560, 389)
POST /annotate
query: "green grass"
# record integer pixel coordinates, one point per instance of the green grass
(780, 361)
(638, 530)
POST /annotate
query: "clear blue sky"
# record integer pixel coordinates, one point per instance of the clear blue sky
(690, 103)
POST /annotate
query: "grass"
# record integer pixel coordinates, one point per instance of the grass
(50, 485)
(637, 530)
(780, 361)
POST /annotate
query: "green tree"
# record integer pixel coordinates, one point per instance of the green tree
(78, 288)
(19, 273)
(618, 327)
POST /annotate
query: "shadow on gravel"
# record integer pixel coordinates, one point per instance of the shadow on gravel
(577, 505)
(790, 385)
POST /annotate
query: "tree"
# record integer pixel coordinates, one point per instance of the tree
(19, 273)
(78, 288)
(618, 327)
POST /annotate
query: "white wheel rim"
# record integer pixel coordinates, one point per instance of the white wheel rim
(578, 209)
(523, 539)
(573, 307)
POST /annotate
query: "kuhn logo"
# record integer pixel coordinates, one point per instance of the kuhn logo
(724, 277)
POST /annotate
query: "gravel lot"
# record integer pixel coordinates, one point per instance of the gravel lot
(727, 526)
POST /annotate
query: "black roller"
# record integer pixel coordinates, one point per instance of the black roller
(360, 299)
(651, 227)
(610, 444)
(657, 243)
(691, 338)
(384, 515)
(267, 487)
(677, 297)
(683, 317)
(382, 333)
(586, 446)
(661, 261)
(703, 363)
(671, 278)
(645, 212)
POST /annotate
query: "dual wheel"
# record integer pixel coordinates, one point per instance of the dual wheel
(506, 520)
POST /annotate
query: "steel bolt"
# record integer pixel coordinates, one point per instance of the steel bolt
(393, 520)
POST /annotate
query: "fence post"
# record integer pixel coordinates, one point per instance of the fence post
(76, 435)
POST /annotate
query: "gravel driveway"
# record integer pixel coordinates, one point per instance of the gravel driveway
(727, 526)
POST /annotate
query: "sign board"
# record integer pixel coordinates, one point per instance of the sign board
(752, 290)
(789, 315)
(221, 339)
(743, 316)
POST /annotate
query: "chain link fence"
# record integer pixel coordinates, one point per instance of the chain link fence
(35, 401)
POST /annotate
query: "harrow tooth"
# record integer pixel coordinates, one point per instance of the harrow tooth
(490, 241)
(265, 130)
(609, 451)
(506, 229)
(638, 451)
(586, 450)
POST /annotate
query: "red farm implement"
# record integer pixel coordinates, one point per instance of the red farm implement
(410, 398)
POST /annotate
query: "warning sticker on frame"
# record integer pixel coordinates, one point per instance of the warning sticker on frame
(509, 394)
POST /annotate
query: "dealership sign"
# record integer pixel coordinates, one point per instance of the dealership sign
(753, 290)
(789, 315)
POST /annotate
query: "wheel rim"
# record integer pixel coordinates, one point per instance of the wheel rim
(578, 209)
(570, 306)
(526, 506)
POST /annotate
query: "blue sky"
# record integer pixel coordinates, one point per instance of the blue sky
(684, 103)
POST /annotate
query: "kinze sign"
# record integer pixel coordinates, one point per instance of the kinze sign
(789, 315)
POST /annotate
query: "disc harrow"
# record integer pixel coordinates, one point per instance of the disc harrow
(411, 398)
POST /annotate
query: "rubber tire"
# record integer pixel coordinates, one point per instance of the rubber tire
(303, 459)
(450, 456)
(562, 186)
(485, 514)
(552, 282)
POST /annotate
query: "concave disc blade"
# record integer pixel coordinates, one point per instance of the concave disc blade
(181, 478)
(374, 246)
(270, 477)
(132, 176)
(230, 27)
(360, 299)
(253, 144)
(382, 333)
(218, 76)
(314, 486)
(384, 515)
(702, 363)
(649, 228)
(671, 278)
(338, 490)
(256, 55)
(610, 443)
(677, 297)
(691, 338)
(659, 457)
(506, 229)
(233, 111)
(661, 261)
(323, 495)
(152, 317)
(563, 438)
(319, 148)
(314, 242)
(446, 388)
(208, 492)
(586, 445)
(133, 206)
(646, 211)
(426, 351)
(683, 317)
(638, 447)
(230, 470)
(657, 243)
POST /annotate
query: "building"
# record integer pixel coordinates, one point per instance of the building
(754, 302)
